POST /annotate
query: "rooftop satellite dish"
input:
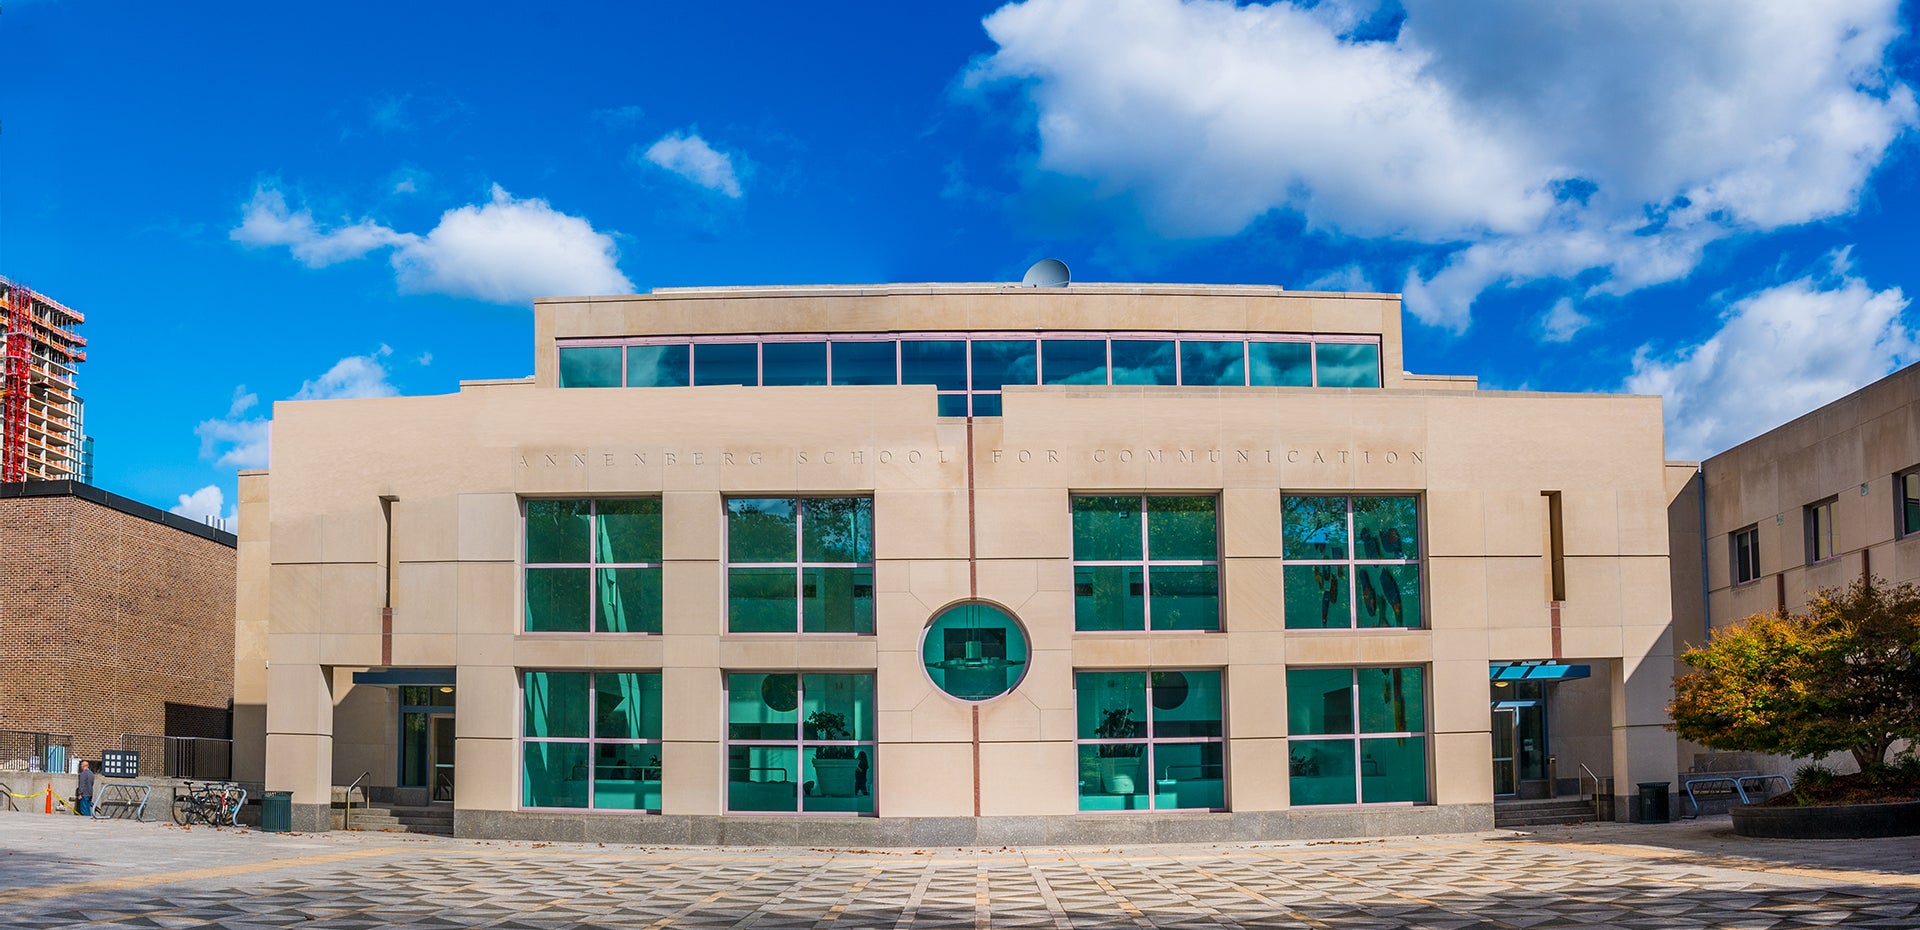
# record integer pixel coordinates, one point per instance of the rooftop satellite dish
(1047, 272)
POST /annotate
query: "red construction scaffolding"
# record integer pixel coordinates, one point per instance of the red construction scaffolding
(40, 429)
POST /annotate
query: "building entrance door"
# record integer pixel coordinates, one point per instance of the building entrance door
(440, 727)
(1506, 762)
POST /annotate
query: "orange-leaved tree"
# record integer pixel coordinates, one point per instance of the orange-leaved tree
(1842, 677)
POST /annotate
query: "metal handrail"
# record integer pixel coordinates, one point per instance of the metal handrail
(1598, 787)
(346, 816)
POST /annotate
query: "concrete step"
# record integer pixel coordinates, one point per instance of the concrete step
(1508, 814)
(436, 820)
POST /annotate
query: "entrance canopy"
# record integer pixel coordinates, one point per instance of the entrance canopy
(1537, 671)
(406, 677)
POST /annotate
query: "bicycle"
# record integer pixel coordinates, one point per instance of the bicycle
(215, 804)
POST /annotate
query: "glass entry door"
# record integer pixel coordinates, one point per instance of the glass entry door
(441, 730)
(1506, 769)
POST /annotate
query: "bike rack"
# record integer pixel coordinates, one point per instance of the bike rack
(122, 800)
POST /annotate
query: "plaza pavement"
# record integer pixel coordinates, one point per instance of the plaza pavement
(61, 871)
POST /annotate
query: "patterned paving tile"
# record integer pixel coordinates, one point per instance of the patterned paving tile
(1457, 886)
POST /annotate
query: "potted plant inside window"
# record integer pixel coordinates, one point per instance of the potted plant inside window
(1119, 762)
(832, 765)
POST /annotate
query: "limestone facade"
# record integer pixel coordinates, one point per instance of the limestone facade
(391, 534)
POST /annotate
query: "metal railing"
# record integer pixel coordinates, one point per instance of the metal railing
(1602, 793)
(33, 751)
(182, 756)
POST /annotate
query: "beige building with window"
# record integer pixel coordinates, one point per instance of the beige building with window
(959, 564)
(1819, 502)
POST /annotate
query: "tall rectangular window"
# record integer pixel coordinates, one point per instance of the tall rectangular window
(800, 742)
(1150, 740)
(1745, 546)
(593, 566)
(800, 565)
(590, 740)
(1350, 561)
(1356, 735)
(1819, 520)
(1906, 493)
(1146, 562)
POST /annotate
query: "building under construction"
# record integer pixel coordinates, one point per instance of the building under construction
(42, 437)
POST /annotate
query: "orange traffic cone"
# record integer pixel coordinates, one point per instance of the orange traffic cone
(49, 797)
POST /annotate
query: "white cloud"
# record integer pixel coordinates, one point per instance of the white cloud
(1562, 322)
(350, 377)
(241, 441)
(689, 156)
(510, 251)
(208, 502)
(507, 250)
(1779, 353)
(1521, 140)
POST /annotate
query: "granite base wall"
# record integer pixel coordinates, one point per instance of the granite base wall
(1066, 830)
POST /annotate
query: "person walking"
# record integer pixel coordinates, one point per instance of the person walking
(85, 793)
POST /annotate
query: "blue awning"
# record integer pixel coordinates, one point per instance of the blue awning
(405, 677)
(1537, 671)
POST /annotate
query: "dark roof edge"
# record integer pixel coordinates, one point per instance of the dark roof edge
(112, 501)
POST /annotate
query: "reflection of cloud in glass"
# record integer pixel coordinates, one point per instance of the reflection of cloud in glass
(1212, 363)
(647, 366)
(1143, 362)
(1287, 364)
(1004, 361)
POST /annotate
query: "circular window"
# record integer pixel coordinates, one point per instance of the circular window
(974, 651)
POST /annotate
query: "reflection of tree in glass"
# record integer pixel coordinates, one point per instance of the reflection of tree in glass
(838, 529)
(1181, 527)
(760, 530)
(1317, 525)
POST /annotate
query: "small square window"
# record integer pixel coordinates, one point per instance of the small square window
(1819, 520)
(1746, 554)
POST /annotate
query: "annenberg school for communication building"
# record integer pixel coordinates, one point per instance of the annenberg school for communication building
(959, 564)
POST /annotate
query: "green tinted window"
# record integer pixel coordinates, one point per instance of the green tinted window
(1354, 562)
(626, 706)
(559, 600)
(762, 529)
(1146, 562)
(559, 531)
(1319, 701)
(1181, 528)
(628, 530)
(590, 740)
(1392, 700)
(800, 743)
(1348, 364)
(598, 366)
(1106, 529)
(556, 704)
(1331, 760)
(1150, 740)
(629, 600)
(801, 565)
(657, 366)
(1280, 364)
(837, 529)
(611, 581)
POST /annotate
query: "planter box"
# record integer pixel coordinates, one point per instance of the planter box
(1838, 822)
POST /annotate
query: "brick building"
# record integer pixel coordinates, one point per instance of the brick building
(115, 618)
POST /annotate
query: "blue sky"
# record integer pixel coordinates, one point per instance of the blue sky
(257, 202)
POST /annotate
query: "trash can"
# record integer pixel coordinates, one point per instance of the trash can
(276, 812)
(1653, 801)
